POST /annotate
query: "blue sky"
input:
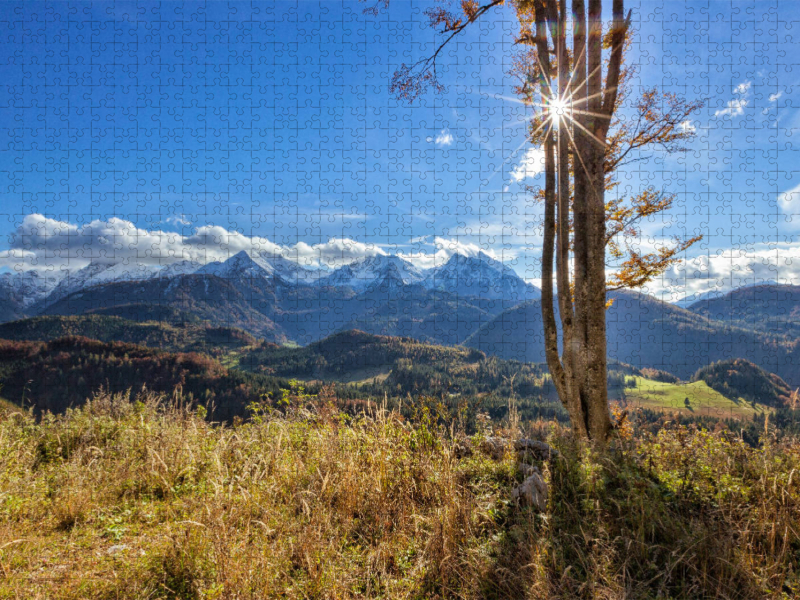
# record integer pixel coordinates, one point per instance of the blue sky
(155, 131)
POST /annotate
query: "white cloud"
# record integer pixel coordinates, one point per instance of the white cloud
(178, 220)
(790, 200)
(444, 249)
(687, 127)
(730, 268)
(333, 253)
(735, 107)
(530, 166)
(775, 97)
(444, 138)
(43, 243)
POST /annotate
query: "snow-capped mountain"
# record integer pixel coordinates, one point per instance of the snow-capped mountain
(291, 272)
(30, 286)
(361, 273)
(96, 273)
(387, 276)
(480, 276)
(259, 265)
(240, 265)
(183, 267)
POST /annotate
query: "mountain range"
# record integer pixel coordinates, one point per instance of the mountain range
(472, 300)
(280, 300)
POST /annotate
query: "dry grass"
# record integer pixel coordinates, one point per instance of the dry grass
(146, 499)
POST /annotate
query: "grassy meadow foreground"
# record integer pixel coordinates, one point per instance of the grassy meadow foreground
(145, 498)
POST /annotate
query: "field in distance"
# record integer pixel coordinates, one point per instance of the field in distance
(695, 398)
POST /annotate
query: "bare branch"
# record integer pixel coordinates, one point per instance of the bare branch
(409, 82)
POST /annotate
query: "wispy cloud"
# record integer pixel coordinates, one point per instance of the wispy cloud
(178, 220)
(530, 166)
(775, 97)
(789, 201)
(735, 107)
(443, 138)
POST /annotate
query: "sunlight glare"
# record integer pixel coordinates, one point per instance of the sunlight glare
(558, 109)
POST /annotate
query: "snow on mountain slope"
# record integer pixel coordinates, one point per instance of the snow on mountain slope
(361, 273)
(480, 276)
(183, 267)
(475, 276)
(239, 265)
(96, 273)
(30, 286)
(291, 272)
(260, 265)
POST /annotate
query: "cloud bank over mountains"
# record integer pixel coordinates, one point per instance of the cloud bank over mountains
(44, 243)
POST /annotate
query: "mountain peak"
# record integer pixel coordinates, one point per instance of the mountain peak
(241, 264)
(362, 273)
(482, 276)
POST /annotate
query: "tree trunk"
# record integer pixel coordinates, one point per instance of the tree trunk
(580, 373)
(548, 248)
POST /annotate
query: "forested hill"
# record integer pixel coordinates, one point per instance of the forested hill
(63, 373)
(770, 308)
(739, 378)
(184, 337)
(351, 351)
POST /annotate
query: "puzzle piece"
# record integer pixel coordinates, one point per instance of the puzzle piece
(246, 165)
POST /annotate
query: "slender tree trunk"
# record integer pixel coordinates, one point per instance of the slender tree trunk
(548, 313)
(580, 373)
(595, 283)
(558, 23)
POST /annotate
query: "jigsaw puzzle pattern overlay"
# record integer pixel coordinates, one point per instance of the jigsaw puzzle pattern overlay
(245, 163)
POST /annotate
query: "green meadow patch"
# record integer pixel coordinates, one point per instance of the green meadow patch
(695, 398)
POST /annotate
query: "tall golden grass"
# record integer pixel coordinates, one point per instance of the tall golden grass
(144, 498)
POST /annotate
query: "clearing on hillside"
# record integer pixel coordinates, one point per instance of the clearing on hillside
(702, 400)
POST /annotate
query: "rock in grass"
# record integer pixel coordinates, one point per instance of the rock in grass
(462, 448)
(532, 492)
(538, 450)
(494, 447)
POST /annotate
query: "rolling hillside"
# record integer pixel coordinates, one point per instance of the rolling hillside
(645, 332)
(739, 378)
(769, 308)
(695, 398)
(180, 337)
(206, 297)
(63, 373)
(343, 353)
